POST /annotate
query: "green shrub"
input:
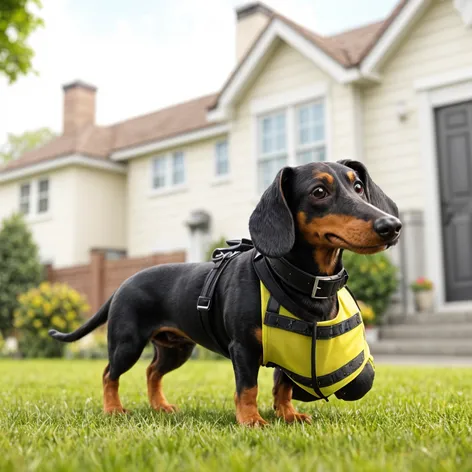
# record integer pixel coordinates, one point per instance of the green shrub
(373, 279)
(48, 306)
(20, 268)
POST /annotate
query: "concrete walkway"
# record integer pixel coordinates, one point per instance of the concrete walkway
(440, 361)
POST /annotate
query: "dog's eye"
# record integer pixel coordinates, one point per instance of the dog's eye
(359, 188)
(319, 193)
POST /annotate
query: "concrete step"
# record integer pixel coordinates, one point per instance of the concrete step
(431, 318)
(423, 347)
(459, 331)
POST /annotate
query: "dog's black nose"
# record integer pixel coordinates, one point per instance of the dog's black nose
(387, 227)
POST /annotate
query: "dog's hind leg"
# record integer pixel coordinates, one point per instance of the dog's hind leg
(166, 359)
(122, 356)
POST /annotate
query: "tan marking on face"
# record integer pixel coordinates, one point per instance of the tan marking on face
(326, 259)
(351, 176)
(156, 395)
(111, 398)
(247, 413)
(283, 405)
(356, 235)
(324, 176)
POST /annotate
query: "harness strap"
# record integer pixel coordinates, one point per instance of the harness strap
(273, 307)
(206, 296)
(275, 320)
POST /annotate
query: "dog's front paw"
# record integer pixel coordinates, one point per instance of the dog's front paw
(252, 421)
(290, 415)
(165, 407)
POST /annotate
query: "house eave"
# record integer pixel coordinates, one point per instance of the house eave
(58, 163)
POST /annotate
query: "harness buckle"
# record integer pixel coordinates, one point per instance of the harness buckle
(203, 303)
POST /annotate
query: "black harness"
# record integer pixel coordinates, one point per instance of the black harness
(268, 270)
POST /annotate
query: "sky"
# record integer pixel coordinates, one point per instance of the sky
(146, 54)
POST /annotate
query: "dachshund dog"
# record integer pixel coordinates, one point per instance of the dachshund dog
(309, 215)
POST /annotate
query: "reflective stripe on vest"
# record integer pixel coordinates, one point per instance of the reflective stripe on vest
(341, 350)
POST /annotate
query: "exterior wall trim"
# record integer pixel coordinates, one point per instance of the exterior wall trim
(53, 164)
(180, 140)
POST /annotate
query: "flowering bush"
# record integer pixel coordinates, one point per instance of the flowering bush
(373, 279)
(47, 306)
(368, 313)
(421, 284)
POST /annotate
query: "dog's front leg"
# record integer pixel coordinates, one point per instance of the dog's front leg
(246, 370)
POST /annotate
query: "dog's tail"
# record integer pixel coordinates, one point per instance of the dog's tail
(94, 322)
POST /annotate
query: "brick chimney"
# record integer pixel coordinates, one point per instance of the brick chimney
(79, 106)
(251, 18)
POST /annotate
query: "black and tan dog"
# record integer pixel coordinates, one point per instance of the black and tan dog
(309, 215)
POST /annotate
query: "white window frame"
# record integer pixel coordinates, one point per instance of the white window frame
(42, 195)
(25, 200)
(289, 102)
(168, 186)
(34, 198)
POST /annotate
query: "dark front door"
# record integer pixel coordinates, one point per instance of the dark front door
(454, 137)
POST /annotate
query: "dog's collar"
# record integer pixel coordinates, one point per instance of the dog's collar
(315, 286)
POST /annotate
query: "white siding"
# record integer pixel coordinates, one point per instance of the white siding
(54, 233)
(100, 211)
(87, 209)
(438, 43)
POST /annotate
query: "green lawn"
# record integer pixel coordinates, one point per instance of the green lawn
(50, 420)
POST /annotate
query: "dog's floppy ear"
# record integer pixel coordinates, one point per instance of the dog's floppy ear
(374, 194)
(271, 224)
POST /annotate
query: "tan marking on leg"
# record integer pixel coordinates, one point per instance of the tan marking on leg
(258, 335)
(156, 395)
(283, 405)
(111, 398)
(247, 413)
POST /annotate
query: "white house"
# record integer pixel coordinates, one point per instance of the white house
(396, 95)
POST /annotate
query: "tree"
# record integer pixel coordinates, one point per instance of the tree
(18, 144)
(17, 22)
(20, 268)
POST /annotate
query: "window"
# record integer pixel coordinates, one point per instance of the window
(293, 136)
(168, 170)
(43, 196)
(310, 133)
(272, 147)
(221, 158)
(25, 190)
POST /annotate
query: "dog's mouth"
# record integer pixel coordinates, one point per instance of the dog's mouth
(343, 243)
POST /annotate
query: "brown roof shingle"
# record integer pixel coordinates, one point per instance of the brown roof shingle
(348, 48)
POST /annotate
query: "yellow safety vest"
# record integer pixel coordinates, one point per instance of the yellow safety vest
(340, 348)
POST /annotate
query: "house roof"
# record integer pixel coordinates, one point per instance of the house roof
(347, 48)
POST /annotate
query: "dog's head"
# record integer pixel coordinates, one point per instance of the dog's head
(330, 205)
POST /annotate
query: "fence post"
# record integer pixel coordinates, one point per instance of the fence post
(49, 272)
(97, 265)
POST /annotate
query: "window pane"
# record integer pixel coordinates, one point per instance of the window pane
(44, 185)
(313, 155)
(159, 172)
(178, 168)
(222, 159)
(268, 169)
(273, 135)
(311, 128)
(25, 198)
(43, 196)
(43, 205)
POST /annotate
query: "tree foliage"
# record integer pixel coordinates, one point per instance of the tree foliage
(20, 268)
(18, 144)
(17, 22)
